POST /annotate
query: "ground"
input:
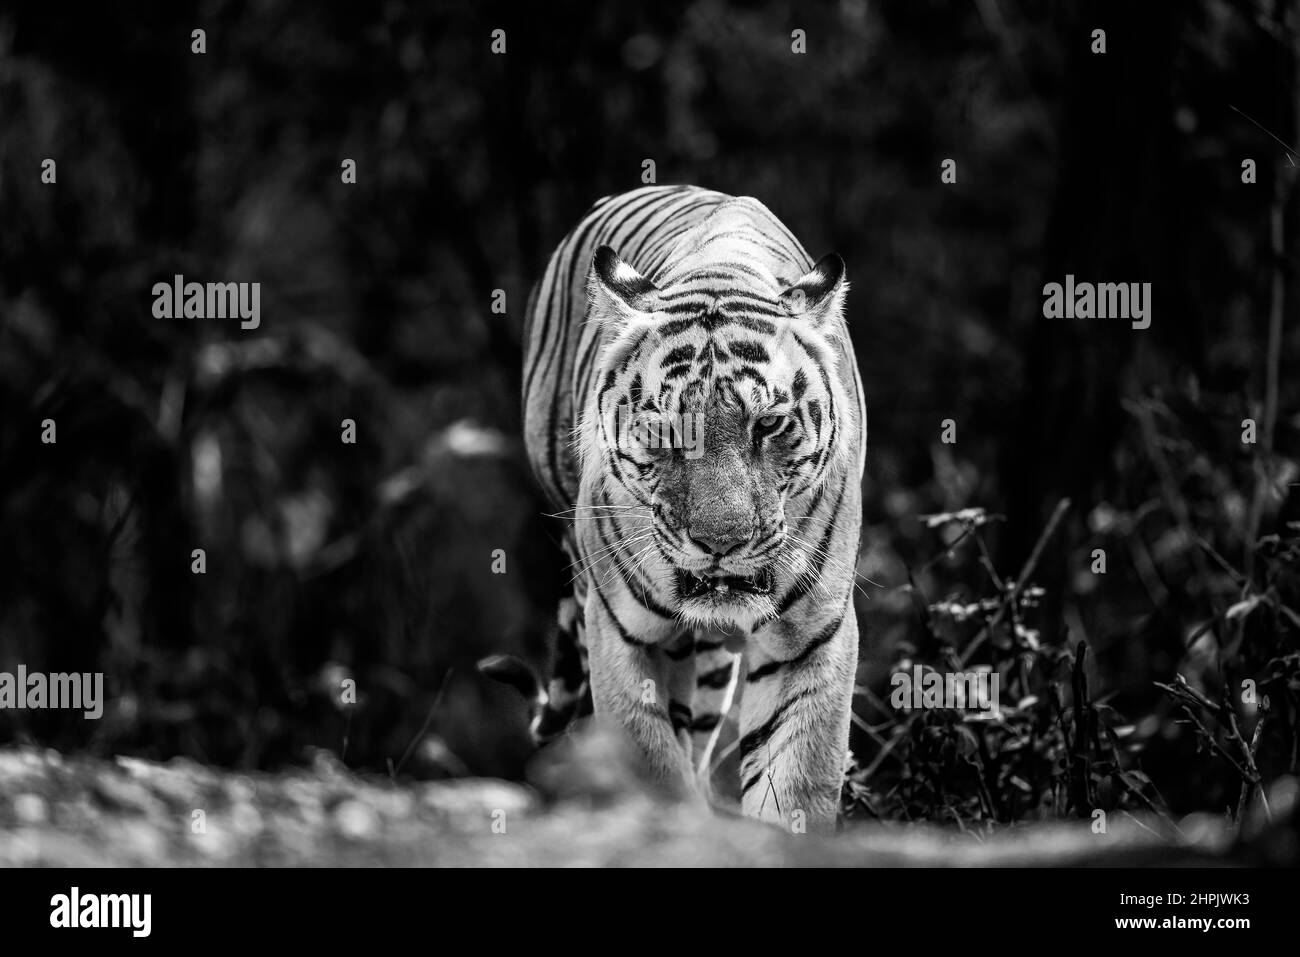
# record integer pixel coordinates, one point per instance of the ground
(583, 808)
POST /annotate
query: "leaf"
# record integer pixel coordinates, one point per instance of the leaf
(1243, 608)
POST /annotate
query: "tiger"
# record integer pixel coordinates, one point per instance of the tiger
(692, 404)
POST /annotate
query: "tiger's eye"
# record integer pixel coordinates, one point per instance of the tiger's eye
(646, 428)
(770, 421)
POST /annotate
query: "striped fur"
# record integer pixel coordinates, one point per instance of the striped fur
(699, 318)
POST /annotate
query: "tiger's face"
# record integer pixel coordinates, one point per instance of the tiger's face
(719, 420)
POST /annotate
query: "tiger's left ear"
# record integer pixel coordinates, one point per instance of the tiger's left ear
(622, 301)
(818, 296)
(617, 291)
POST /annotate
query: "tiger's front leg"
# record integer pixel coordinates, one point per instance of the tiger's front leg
(631, 684)
(794, 719)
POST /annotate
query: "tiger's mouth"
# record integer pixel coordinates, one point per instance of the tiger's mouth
(721, 586)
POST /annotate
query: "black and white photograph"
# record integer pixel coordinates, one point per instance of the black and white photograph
(693, 434)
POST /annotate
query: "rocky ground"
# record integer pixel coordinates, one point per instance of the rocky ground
(585, 808)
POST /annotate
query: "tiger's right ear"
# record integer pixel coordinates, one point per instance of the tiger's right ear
(617, 292)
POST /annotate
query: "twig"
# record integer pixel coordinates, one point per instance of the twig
(1185, 696)
(437, 700)
(1022, 579)
(869, 731)
(948, 549)
(1237, 577)
(1080, 778)
(879, 759)
(1248, 754)
(1169, 487)
(1281, 142)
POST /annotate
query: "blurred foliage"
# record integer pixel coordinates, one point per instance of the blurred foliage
(373, 562)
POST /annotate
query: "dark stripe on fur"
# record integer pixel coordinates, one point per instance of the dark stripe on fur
(772, 667)
(760, 736)
(618, 625)
(718, 678)
(706, 722)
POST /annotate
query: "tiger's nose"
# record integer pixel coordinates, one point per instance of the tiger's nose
(718, 544)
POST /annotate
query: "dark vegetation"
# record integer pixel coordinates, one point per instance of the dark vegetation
(326, 561)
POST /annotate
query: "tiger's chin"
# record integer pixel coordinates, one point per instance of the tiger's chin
(726, 601)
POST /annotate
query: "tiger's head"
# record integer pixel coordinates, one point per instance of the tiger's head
(720, 415)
